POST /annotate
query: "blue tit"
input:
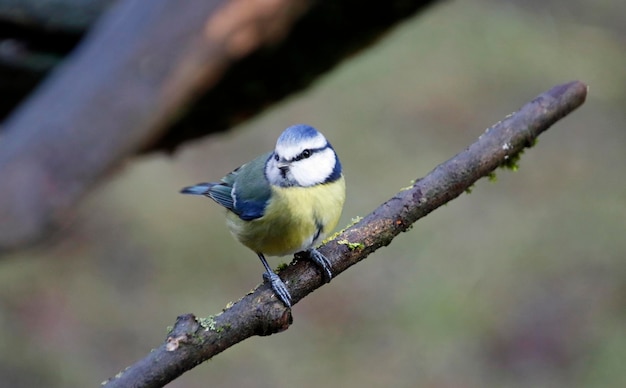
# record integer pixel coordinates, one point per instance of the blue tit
(285, 201)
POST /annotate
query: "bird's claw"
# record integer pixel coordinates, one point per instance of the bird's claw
(322, 262)
(279, 287)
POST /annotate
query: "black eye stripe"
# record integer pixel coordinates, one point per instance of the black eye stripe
(303, 155)
(307, 153)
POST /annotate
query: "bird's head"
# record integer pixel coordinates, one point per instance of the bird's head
(302, 157)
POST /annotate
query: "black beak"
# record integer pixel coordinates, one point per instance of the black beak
(283, 170)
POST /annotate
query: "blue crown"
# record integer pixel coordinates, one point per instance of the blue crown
(297, 133)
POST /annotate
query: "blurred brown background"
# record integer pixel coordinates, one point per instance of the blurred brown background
(521, 283)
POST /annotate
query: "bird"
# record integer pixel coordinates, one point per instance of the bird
(283, 202)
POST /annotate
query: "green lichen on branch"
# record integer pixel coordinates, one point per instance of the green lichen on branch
(208, 323)
(412, 183)
(351, 245)
(333, 236)
(511, 162)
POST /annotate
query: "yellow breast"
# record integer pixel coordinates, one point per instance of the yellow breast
(295, 219)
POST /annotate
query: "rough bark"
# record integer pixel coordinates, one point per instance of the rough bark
(193, 341)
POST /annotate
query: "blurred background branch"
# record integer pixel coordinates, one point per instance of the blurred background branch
(150, 75)
(193, 341)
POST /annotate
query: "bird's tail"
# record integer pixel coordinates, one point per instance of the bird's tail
(199, 189)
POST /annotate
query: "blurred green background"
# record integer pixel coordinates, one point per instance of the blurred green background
(522, 283)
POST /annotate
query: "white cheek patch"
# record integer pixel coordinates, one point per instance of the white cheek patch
(315, 169)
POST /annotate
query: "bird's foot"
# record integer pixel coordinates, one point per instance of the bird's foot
(279, 287)
(322, 262)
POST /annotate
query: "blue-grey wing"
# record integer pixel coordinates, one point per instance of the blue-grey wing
(251, 189)
(222, 194)
(245, 191)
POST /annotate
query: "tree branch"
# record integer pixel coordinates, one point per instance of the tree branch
(194, 340)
